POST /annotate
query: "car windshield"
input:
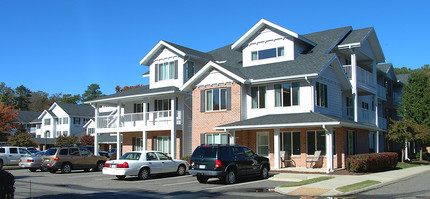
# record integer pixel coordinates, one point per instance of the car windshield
(130, 156)
(51, 152)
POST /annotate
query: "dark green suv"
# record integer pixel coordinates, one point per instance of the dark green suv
(227, 162)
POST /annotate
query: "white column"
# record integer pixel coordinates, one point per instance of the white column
(375, 104)
(354, 84)
(118, 133)
(145, 106)
(144, 134)
(96, 135)
(329, 148)
(276, 148)
(377, 142)
(173, 129)
(232, 137)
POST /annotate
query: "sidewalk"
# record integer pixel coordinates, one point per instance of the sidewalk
(328, 187)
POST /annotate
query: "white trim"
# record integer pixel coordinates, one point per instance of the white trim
(147, 75)
(285, 78)
(130, 96)
(309, 124)
(264, 133)
(347, 46)
(260, 25)
(341, 38)
(157, 47)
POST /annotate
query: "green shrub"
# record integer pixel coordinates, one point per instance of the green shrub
(7, 182)
(371, 162)
(186, 158)
(425, 155)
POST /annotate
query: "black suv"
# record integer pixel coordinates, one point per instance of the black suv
(226, 162)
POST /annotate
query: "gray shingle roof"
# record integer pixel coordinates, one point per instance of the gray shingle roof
(327, 39)
(50, 141)
(103, 137)
(137, 91)
(384, 67)
(190, 51)
(356, 36)
(77, 109)
(403, 78)
(27, 116)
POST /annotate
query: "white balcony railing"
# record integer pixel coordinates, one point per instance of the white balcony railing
(382, 92)
(129, 120)
(382, 123)
(32, 130)
(109, 121)
(363, 76)
(366, 116)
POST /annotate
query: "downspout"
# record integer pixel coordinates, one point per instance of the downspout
(329, 148)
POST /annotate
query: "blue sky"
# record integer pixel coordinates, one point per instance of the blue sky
(62, 46)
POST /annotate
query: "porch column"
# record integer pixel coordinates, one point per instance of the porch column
(118, 145)
(144, 134)
(329, 147)
(144, 137)
(377, 142)
(232, 136)
(375, 104)
(173, 129)
(276, 148)
(145, 107)
(96, 135)
(354, 84)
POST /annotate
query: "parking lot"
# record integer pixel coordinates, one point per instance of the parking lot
(79, 184)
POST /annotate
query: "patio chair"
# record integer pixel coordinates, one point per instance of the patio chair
(285, 158)
(313, 160)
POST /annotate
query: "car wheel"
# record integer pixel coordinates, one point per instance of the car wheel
(264, 172)
(66, 168)
(43, 169)
(144, 174)
(52, 170)
(100, 166)
(202, 179)
(86, 170)
(32, 169)
(181, 170)
(230, 177)
(120, 177)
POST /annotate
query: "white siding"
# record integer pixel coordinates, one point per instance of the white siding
(214, 77)
(166, 56)
(366, 49)
(334, 93)
(188, 126)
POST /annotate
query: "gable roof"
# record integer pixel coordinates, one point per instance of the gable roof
(403, 78)
(384, 67)
(76, 109)
(356, 38)
(262, 24)
(27, 116)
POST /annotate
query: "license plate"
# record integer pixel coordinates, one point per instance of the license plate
(113, 166)
(22, 166)
(202, 166)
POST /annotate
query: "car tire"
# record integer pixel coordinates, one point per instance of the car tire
(143, 174)
(32, 169)
(202, 179)
(52, 170)
(66, 168)
(264, 174)
(43, 169)
(87, 170)
(100, 166)
(230, 177)
(120, 177)
(181, 170)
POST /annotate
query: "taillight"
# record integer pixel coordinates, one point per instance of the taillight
(218, 163)
(57, 159)
(30, 160)
(123, 165)
(189, 162)
(106, 164)
(20, 160)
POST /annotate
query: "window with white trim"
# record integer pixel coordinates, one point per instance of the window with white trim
(321, 94)
(166, 70)
(139, 144)
(267, 53)
(66, 120)
(163, 144)
(190, 69)
(59, 121)
(65, 133)
(263, 148)
(216, 99)
(217, 138)
(287, 94)
(290, 141)
(47, 122)
(316, 142)
(258, 96)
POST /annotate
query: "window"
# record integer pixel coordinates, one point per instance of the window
(351, 136)
(38, 126)
(349, 107)
(163, 144)
(58, 133)
(62, 152)
(263, 144)
(258, 95)
(151, 156)
(365, 105)
(58, 120)
(290, 141)
(162, 105)
(139, 144)
(47, 134)
(287, 94)
(65, 133)
(23, 151)
(2, 150)
(315, 142)
(166, 71)
(138, 108)
(162, 156)
(74, 152)
(217, 138)
(76, 120)
(91, 131)
(47, 122)
(321, 94)
(267, 53)
(65, 120)
(85, 152)
(13, 150)
(216, 99)
(190, 69)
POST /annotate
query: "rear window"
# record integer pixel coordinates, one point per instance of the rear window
(64, 151)
(51, 152)
(2, 150)
(130, 156)
(205, 151)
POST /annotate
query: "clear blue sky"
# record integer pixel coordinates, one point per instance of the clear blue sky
(62, 46)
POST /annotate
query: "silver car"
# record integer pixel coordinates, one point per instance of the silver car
(32, 162)
(144, 163)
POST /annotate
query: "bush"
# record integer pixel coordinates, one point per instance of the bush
(7, 182)
(372, 162)
(425, 156)
(186, 158)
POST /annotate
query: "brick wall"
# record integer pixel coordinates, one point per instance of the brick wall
(204, 122)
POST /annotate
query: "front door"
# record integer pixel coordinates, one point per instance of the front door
(166, 162)
(14, 155)
(153, 162)
(263, 147)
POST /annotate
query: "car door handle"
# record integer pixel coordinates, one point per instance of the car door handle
(150, 163)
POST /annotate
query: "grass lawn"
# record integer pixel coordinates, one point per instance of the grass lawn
(404, 165)
(356, 186)
(309, 181)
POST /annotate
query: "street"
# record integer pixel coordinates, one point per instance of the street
(79, 184)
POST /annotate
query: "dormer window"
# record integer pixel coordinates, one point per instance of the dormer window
(267, 53)
(166, 71)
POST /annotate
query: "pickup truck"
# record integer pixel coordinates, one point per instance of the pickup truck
(10, 155)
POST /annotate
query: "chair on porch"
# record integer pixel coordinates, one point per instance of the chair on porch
(313, 160)
(286, 158)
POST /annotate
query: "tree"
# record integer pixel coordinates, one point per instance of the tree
(87, 140)
(401, 132)
(22, 140)
(403, 70)
(39, 101)
(118, 88)
(69, 99)
(6, 95)
(92, 92)
(66, 140)
(22, 98)
(20, 129)
(8, 120)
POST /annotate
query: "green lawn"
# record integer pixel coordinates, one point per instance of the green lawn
(356, 186)
(404, 165)
(309, 181)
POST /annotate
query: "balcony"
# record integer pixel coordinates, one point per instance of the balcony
(382, 92)
(348, 113)
(382, 123)
(366, 116)
(136, 121)
(397, 98)
(364, 77)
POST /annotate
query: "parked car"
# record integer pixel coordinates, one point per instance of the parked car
(71, 158)
(32, 150)
(91, 148)
(144, 163)
(227, 162)
(32, 162)
(10, 155)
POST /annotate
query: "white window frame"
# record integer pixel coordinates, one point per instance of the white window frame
(291, 95)
(321, 96)
(161, 147)
(284, 133)
(277, 53)
(213, 139)
(47, 122)
(166, 70)
(220, 90)
(258, 97)
(65, 120)
(139, 144)
(257, 139)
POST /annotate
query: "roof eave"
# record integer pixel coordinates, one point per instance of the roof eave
(146, 60)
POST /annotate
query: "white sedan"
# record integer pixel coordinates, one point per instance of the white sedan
(144, 163)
